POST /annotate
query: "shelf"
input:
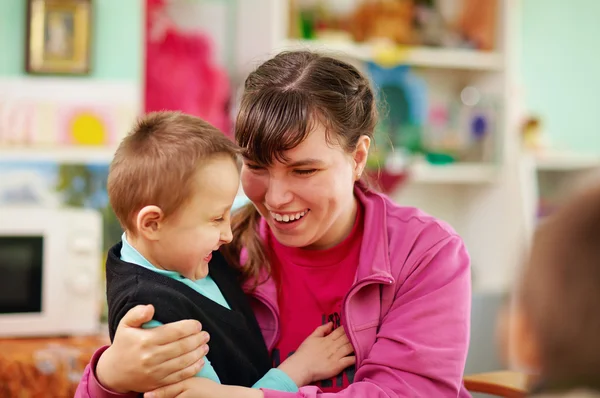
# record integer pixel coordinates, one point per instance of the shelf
(566, 161)
(430, 57)
(456, 173)
(57, 89)
(63, 155)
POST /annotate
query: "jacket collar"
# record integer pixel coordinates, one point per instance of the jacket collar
(374, 261)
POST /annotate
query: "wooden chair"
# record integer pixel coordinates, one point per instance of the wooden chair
(502, 384)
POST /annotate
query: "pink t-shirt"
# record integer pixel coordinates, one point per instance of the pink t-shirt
(312, 286)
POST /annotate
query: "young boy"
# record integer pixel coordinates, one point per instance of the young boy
(554, 329)
(171, 184)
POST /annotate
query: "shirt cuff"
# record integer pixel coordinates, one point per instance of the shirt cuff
(276, 379)
(97, 390)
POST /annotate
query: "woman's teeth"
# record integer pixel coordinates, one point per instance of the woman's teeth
(288, 217)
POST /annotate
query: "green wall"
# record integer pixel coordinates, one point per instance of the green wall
(117, 39)
(560, 69)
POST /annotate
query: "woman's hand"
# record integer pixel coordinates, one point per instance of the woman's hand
(145, 359)
(322, 355)
(200, 387)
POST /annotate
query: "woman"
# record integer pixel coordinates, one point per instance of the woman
(317, 245)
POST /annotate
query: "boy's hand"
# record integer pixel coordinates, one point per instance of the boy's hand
(322, 355)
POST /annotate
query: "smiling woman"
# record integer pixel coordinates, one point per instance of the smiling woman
(315, 179)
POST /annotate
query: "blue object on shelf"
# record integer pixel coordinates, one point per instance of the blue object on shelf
(408, 92)
(406, 97)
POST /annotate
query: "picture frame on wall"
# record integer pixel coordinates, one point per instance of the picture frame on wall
(58, 37)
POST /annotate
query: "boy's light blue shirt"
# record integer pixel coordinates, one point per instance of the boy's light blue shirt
(274, 379)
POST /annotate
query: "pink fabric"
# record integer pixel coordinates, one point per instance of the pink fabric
(181, 74)
(407, 313)
(91, 387)
(313, 284)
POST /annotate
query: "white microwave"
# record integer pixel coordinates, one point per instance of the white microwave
(50, 263)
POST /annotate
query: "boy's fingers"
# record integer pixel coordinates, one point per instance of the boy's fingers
(346, 362)
(337, 333)
(345, 350)
(322, 330)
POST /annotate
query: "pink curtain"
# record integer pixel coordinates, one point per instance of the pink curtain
(181, 73)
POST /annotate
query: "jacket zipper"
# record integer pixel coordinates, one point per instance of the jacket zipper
(372, 280)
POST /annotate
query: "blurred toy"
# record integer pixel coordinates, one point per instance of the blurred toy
(430, 25)
(384, 19)
(405, 95)
(477, 23)
(532, 134)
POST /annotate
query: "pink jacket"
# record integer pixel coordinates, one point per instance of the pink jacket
(407, 313)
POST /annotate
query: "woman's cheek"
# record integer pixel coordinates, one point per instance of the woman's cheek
(254, 185)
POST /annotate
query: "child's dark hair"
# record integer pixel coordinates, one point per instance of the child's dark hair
(560, 292)
(283, 99)
(157, 160)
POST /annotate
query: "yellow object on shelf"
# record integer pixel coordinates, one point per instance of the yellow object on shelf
(390, 55)
(88, 129)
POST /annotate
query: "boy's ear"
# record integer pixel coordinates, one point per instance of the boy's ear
(149, 221)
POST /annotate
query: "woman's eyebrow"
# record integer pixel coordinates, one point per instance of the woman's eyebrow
(305, 162)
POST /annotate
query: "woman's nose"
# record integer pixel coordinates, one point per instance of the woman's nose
(278, 194)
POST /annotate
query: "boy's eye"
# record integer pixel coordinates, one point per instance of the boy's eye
(306, 172)
(219, 219)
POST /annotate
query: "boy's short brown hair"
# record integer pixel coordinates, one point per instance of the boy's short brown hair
(560, 291)
(156, 161)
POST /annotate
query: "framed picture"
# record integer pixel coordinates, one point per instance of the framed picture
(58, 36)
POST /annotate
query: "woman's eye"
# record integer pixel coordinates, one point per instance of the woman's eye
(253, 166)
(306, 172)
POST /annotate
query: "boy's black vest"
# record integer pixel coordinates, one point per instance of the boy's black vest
(237, 349)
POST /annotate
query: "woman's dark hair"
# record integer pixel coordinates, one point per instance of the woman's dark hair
(283, 100)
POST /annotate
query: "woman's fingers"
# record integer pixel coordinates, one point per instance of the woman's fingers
(171, 391)
(193, 343)
(175, 331)
(137, 316)
(183, 374)
(184, 361)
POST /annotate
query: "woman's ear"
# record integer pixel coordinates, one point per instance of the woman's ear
(360, 155)
(149, 221)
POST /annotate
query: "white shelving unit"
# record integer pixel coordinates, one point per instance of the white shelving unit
(484, 202)
(415, 56)
(34, 111)
(565, 161)
(63, 155)
(552, 176)
(459, 173)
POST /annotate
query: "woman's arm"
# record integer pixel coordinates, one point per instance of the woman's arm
(144, 359)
